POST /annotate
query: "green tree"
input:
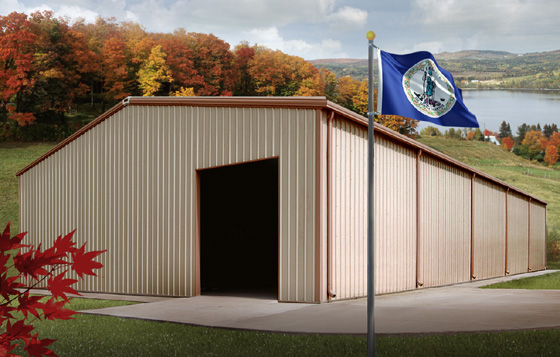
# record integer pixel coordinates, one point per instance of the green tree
(430, 131)
(522, 130)
(505, 130)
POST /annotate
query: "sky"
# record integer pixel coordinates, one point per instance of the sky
(315, 29)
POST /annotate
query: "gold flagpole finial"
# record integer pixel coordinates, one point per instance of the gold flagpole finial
(370, 35)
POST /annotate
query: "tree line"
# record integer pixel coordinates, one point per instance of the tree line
(531, 142)
(49, 66)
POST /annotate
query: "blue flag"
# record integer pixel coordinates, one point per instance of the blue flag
(416, 87)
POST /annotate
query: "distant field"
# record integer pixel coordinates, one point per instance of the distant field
(507, 167)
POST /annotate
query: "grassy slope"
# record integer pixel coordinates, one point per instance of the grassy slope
(507, 167)
(14, 157)
(546, 281)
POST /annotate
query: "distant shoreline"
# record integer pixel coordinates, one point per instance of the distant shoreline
(514, 89)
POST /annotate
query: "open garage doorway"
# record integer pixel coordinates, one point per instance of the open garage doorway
(239, 229)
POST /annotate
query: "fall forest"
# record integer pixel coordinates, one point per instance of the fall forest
(49, 67)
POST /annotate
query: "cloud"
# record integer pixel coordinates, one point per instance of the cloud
(348, 18)
(271, 38)
(75, 12)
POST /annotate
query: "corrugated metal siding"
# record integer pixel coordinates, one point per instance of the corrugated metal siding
(129, 186)
(489, 229)
(349, 209)
(445, 223)
(395, 216)
(518, 233)
(395, 213)
(537, 250)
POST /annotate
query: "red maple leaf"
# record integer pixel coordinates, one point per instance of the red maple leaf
(59, 286)
(6, 346)
(54, 310)
(28, 265)
(65, 245)
(8, 285)
(18, 330)
(8, 244)
(29, 304)
(83, 262)
(36, 347)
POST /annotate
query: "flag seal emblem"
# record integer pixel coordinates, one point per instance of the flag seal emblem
(428, 90)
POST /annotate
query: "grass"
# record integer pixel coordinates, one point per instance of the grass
(506, 167)
(90, 335)
(14, 157)
(547, 281)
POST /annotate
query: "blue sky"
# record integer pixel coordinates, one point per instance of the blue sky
(336, 28)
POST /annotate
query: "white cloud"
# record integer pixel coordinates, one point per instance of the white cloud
(75, 12)
(271, 38)
(348, 18)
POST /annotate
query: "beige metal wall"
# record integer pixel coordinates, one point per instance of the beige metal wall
(518, 233)
(128, 185)
(395, 216)
(537, 248)
(489, 238)
(445, 223)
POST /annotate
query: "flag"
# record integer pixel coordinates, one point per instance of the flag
(416, 87)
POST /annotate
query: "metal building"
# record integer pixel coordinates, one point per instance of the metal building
(198, 194)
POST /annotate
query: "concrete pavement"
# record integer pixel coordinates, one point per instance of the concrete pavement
(457, 308)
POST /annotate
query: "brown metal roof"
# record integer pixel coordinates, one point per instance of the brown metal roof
(271, 102)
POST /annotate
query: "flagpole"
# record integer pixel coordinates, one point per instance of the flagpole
(370, 205)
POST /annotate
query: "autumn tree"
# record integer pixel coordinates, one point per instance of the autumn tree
(470, 135)
(533, 143)
(551, 155)
(507, 143)
(430, 131)
(154, 73)
(16, 65)
(244, 85)
(61, 64)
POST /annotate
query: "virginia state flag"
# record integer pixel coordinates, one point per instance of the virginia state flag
(415, 87)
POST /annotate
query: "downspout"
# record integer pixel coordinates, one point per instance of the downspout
(330, 292)
(472, 226)
(418, 221)
(507, 230)
(529, 237)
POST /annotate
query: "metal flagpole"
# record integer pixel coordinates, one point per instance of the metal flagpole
(370, 206)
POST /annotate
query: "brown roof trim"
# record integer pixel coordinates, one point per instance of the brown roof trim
(425, 149)
(257, 102)
(270, 102)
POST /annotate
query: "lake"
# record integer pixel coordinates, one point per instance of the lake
(516, 107)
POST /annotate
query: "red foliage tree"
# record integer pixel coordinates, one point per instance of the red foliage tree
(507, 143)
(36, 266)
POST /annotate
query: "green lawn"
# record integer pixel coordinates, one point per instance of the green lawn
(507, 167)
(14, 157)
(546, 281)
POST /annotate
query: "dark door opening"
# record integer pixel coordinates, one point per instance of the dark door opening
(239, 229)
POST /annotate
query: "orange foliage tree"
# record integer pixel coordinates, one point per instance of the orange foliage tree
(551, 155)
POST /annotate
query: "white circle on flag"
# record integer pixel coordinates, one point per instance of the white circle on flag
(428, 90)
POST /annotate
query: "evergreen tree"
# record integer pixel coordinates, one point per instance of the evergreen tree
(505, 130)
(521, 131)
